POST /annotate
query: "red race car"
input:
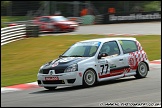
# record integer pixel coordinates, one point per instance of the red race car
(55, 24)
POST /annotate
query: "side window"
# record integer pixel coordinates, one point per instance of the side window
(110, 48)
(40, 19)
(128, 46)
(47, 20)
(44, 19)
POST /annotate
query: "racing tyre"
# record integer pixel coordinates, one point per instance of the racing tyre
(89, 78)
(142, 70)
(50, 88)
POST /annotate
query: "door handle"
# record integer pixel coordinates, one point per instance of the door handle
(120, 59)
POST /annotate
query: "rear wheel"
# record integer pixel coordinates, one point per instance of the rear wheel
(89, 78)
(142, 70)
(50, 88)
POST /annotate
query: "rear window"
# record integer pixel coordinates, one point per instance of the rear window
(128, 46)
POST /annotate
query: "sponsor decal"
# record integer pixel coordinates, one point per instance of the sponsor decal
(114, 72)
(101, 62)
(126, 70)
(131, 61)
(112, 66)
(95, 43)
(80, 74)
(51, 78)
(55, 64)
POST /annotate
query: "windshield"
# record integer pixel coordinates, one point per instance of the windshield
(59, 18)
(82, 49)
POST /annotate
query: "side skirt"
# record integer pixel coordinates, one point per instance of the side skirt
(117, 76)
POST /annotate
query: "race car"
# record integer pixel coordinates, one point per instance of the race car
(55, 24)
(91, 61)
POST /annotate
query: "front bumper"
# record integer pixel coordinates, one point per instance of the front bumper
(64, 79)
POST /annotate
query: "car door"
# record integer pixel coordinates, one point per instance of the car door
(49, 25)
(112, 61)
(41, 23)
(131, 53)
(45, 24)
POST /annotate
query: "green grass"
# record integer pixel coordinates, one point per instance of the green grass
(21, 60)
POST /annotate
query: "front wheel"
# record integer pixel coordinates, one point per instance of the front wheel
(50, 88)
(89, 78)
(142, 70)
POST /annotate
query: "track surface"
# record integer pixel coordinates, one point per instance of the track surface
(149, 28)
(125, 90)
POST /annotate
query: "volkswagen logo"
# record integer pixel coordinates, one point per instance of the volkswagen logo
(51, 72)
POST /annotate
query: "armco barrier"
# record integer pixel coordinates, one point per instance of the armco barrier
(13, 33)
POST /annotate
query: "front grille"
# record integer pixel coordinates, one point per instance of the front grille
(57, 71)
(54, 82)
(45, 71)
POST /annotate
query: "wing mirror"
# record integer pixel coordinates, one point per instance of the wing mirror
(102, 55)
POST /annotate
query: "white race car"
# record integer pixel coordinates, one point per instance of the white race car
(91, 61)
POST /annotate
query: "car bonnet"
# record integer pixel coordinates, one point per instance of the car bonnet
(63, 62)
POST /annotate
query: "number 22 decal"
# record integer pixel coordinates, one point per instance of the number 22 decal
(103, 66)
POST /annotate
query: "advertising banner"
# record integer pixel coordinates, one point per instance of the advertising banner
(132, 17)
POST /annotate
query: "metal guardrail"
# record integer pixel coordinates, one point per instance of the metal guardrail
(13, 33)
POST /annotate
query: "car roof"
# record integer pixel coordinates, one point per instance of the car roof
(52, 16)
(110, 39)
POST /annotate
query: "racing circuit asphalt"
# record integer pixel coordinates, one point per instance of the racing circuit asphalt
(122, 91)
(148, 28)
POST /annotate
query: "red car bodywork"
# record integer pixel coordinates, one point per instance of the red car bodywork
(55, 23)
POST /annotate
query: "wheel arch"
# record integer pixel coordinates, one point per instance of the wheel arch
(146, 65)
(138, 72)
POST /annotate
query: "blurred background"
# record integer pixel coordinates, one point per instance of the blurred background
(27, 10)
(74, 8)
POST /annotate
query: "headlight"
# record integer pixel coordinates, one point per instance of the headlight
(73, 25)
(72, 68)
(40, 70)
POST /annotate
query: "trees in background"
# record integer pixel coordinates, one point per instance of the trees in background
(21, 8)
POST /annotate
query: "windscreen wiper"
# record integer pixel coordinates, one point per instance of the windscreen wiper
(76, 56)
(63, 56)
